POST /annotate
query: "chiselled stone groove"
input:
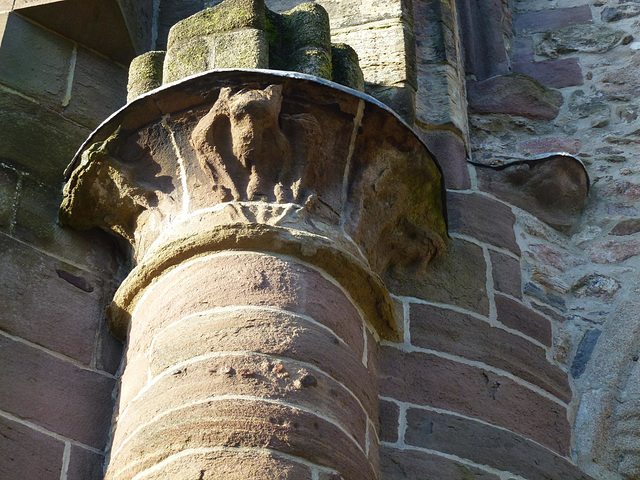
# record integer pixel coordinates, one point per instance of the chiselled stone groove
(239, 450)
(220, 398)
(169, 371)
(490, 368)
(243, 308)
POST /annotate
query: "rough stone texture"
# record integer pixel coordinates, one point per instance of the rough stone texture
(559, 73)
(85, 465)
(626, 227)
(613, 251)
(417, 378)
(39, 72)
(552, 19)
(389, 412)
(242, 423)
(519, 317)
(73, 404)
(28, 454)
(21, 121)
(548, 145)
(232, 466)
(476, 441)
(507, 275)
(481, 217)
(8, 197)
(483, 39)
(415, 465)
(145, 74)
(514, 94)
(67, 302)
(457, 278)
(392, 37)
(451, 153)
(585, 350)
(99, 89)
(468, 337)
(582, 38)
(554, 188)
(440, 98)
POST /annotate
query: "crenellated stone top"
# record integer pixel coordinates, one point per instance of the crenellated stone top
(249, 159)
(246, 34)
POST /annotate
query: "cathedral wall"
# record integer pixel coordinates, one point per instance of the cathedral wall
(57, 361)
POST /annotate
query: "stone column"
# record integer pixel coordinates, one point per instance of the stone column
(262, 210)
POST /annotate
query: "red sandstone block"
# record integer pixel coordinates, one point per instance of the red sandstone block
(519, 317)
(482, 218)
(550, 19)
(85, 464)
(458, 278)
(507, 276)
(252, 376)
(27, 454)
(415, 465)
(459, 334)
(477, 442)
(54, 394)
(451, 153)
(242, 423)
(247, 280)
(425, 379)
(230, 465)
(49, 302)
(389, 412)
(559, 73)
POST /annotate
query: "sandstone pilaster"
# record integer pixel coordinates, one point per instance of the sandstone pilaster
(261, 211)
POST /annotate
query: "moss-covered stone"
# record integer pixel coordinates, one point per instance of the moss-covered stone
(300, 40)
(246, 48)
(245, 34)
(188, 58)
(230, 35)
(145, 74)
(346, 69)
(227, 16)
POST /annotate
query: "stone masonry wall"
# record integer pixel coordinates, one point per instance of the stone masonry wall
(584, 277)
(522, 335)
(57, 361)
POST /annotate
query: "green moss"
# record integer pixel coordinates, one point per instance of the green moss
(145, 73)
(224, 17)
(346, 69)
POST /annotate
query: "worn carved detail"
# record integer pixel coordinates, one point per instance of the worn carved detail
(251, 151)
(103, 192)
(358, 175)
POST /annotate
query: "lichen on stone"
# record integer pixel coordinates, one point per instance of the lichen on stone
(346, 68)
(224, 17)
(145, 73)
(246, 34)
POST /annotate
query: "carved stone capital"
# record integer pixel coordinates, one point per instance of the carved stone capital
(264, 158)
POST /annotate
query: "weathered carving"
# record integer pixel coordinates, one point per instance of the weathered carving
(240, 146)
(104, 192)
(295, 157)
(553, 187)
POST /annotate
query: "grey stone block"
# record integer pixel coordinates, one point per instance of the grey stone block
(34, 61)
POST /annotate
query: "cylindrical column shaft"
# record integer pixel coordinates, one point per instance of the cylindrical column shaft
(246, 365)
